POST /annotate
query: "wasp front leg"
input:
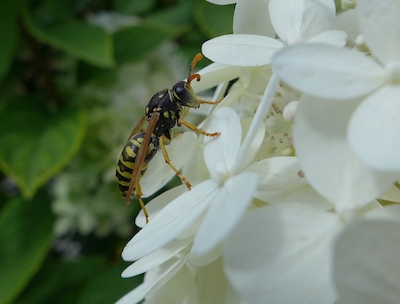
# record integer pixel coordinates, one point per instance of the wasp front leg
(168, 162)
(201, 101)
(196, 129)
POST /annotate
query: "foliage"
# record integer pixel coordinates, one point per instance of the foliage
(74, 78)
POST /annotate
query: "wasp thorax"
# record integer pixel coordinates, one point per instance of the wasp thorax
(185, 95)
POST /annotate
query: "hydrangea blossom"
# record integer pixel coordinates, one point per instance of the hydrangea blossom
(260, 224)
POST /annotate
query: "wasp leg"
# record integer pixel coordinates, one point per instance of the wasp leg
(168, 162)
(139, 194)
(196, 129)
(201, 101)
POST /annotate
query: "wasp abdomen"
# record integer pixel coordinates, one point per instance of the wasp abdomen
(127, 159)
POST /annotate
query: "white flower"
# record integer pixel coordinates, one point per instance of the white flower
(333, 73)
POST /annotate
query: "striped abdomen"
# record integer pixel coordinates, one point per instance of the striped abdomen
(127, 159)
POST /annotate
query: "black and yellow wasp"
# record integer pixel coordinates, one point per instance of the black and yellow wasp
(165, 110)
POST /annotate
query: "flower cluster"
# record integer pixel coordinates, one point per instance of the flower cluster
(284, 207)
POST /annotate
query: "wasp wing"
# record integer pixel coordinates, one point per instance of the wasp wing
(138, 126)
(141, 155)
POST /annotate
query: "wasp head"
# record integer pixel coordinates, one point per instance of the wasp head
(185, 95)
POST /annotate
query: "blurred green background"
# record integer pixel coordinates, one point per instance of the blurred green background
(75, 77)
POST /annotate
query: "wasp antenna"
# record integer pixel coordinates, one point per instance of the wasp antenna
(191, 77)
(196, 59)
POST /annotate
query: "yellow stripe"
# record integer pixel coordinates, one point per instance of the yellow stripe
(124, 174)
(129, 152)
(128, 164)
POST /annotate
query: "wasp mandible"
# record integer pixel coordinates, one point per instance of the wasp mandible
(165, 110)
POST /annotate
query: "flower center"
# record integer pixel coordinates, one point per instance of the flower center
(220, 174)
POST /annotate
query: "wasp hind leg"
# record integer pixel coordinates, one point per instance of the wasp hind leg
(139, 193)
(168, 162)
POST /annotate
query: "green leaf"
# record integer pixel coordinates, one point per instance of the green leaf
(35, 145)
(214, 20)
(133, 7)
(77, 38)
(61, 282)
(108, 287)
(133, 43)
(8, 35)
(25, 236)
(180, 14)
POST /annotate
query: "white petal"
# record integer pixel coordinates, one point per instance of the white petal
(158, 203)
(212, 284)
(215, 74)
(335, 38)
(255, 144)
(320, 70)
(367, 262)
(196, 168)
(372, 25)
(241, 49)
(154, 279)
(299, 20)
(347, 22)
(159, 173)
(171, 221)
(225, 211)
(180, 289)
(155, 258)
(202, 260)
(220, 152)
(282, 255)
(374, 129)
(252, 17)
(328, 162)
(281, 181)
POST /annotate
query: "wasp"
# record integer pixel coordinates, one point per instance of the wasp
(165, 110)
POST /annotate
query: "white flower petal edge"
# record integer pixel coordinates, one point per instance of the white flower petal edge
(155, 258)
(225, 211)
(158, 203)
(333, 37)
(154, 279)
(171, 221)
(319, 70)
(366, 258)
(241, 49)
(307, 18)
(374, 129)
(281, 254)
(326, 158)
(213, 74)
(381, 34)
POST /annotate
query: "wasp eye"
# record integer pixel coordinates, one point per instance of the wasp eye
(179, 88)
